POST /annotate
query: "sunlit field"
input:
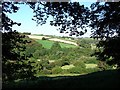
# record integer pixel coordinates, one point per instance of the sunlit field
(47, 44)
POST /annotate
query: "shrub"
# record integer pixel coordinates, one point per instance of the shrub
(58, 63)
(90, 70)
(65, 63)
(27, 33)
(56, 70)
(103, 66)
(46, 71)
(65, 71)
(36, 54)
(79, 64)
(50, 66)
(76, 70)
(43, 38)
(61, 63)
(92, 60)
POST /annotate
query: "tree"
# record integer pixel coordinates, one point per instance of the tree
(43, 38)
(13, 48)
(69, 16)
(105, 23)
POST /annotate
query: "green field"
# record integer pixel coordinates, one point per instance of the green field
(67, 66)
(47, 44)
(91, 65)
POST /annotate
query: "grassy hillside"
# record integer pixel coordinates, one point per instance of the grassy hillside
(47, 44)
(103, 79)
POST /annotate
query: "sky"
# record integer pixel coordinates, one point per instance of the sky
(24, 16)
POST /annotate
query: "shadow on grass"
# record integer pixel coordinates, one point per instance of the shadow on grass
(101, 79)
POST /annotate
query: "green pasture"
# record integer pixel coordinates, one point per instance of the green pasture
(67, 66)
(91, 65)
(47, 44)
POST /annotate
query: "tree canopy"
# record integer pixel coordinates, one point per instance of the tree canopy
(13, 48)
(67, 16)
(105, 23)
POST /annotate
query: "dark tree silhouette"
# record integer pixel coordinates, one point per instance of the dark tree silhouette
(66, 15)
(105, 20)
(105, 23)
(13, 47)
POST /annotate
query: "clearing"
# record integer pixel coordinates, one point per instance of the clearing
(52, 39)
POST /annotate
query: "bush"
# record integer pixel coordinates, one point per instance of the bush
(56, 70)
(76, 70)
(43, 38)
(65, 63)
(43, 72)
(58, 63)
(91, 60)
(65, 60)
(46, 71)
(103, 66)
(79, 64)
(36, 54)
(65, 71)
(27, 33)
(90, 70)
(50, 66)
(62, 63)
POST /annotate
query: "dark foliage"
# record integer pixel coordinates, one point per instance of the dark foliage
(13, 48)
(109, 51)
(97, 80)
(69, 16)
(105, 20)
(27, 33)
(44, 38)
(105, 23)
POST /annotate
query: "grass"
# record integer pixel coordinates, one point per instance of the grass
(51, 61)
(67, 66)
(64, 45)
(97, 80)
(47, 44)
(56, 75)
(91, 65)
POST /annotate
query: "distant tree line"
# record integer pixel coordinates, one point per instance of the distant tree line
(27, 33)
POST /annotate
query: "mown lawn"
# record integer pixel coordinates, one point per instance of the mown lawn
(47, 44)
